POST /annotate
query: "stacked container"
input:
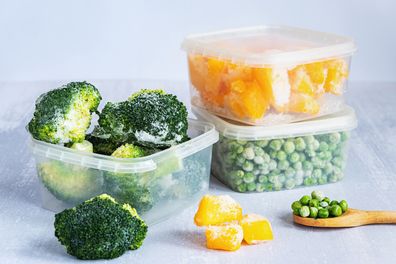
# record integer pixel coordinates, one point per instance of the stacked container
(275, 94)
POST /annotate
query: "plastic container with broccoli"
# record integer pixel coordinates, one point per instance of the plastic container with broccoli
(282, 157)
(143, 151)
(268, 75)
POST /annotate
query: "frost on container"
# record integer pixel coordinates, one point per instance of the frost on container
(258, 159)
(268, 75)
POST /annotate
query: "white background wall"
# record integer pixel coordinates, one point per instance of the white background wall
(87, 39)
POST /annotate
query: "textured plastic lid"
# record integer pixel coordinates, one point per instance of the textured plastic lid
(269, 45)
(341, 121)
(203, 136)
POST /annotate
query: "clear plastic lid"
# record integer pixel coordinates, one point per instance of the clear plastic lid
(269, 45)
(340, 121)
(202, 136)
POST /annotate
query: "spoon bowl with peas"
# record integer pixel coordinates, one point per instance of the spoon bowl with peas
(351, 218)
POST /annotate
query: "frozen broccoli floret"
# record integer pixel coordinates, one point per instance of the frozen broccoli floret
(129, 151)
(70, 183)
(63, 115)
(115, 122)
(159, 119)
(84, 146)
(100, 228)
(102, 145)
(131, 188)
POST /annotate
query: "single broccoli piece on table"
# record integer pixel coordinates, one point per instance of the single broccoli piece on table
(100, 228)
(159, 119)
(129, 151)
(63, 115)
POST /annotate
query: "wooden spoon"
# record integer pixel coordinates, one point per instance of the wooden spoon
(350, 218)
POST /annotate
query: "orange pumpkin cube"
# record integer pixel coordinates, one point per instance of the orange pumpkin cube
(214, 210)
(225, 237)
(256, 229)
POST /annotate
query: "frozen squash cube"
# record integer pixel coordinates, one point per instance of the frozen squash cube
(225, 237)
(256, 229)
(214, 210)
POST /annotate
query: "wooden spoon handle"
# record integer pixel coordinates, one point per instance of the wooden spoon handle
(381, 217)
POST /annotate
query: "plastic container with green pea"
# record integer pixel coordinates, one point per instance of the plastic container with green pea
(281, 157)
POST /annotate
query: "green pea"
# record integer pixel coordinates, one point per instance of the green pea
(283, 164)
(276, 144)
(344, 205)
(294, 157)
(262, 143)
(258, 160)
(308, 181)
(241, 188)
(260, 187)
(326, 199)
(322, 180)
(335, 210)
(344, 136)
(277, 186)
(266, 157)
(248, 166)
(309, 139)
(333, 202)
(305, 199)
(318, 195)
(251, 186)
(248, 153)
(273, 154)
(272, 165)
(249, 177)
(328, 168)
(240, 160)
(241, 142)
(307, 165)
(335, 138)
(314, 203)
(304, 211)
(323, 213)
(290, 184)
(281, 155)
(323, 146)
(313, 212)
(332, 146)
(302, 157)
(269, 186)
(289, 147)
(323, 204)
(290, 172)
(300, 144)
(262, 179)
(315, 145)
(258, 151)
(310, 153)
(333, 178)
(317, 173)
(297, 165)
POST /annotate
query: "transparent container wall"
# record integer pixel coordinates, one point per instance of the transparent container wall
(174, 185)
(280, 164)
(276, 94)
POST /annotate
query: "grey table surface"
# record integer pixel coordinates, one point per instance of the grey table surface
(27, 234)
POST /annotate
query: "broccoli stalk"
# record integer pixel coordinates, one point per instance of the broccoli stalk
(100, 228)
(63, 115)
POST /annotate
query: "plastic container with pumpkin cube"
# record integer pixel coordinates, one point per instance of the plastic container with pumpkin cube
(268, 75)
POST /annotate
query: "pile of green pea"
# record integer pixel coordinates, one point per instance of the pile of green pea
(317, 205)
(277, 164)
